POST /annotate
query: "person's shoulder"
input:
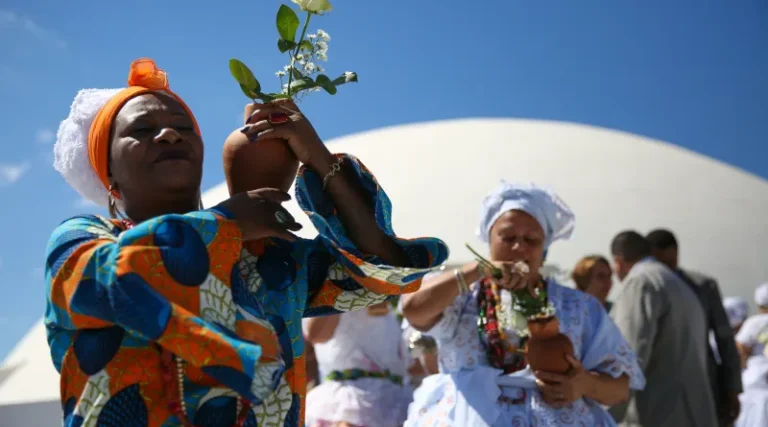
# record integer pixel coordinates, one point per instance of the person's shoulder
(698, 277)
(86, 224)
(755, 319)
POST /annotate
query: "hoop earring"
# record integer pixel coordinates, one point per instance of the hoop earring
(114, 212)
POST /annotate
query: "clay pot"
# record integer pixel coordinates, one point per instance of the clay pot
(547, 347)
(266, 164)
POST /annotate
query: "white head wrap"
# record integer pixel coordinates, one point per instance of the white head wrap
(761, 295)
(737, 310)
(70, 152)
(554, 216)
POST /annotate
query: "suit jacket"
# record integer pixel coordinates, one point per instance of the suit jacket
(725, 376)
(663, 321)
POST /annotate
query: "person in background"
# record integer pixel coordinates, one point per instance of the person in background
(422, 348)
(725, 376)
(593, 275)
(752, 341)
(364, 360)
(737, 310)
(313, 373)
(664, 323)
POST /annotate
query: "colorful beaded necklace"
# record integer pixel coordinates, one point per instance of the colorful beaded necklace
(496, 345)
(171, 363)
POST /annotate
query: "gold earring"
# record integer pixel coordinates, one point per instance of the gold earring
(114, 212)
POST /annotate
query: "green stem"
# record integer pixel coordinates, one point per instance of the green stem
(296, 52)
(484, 261)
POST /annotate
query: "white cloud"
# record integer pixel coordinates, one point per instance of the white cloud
(13, 21)
(10, 174)
(44, 136)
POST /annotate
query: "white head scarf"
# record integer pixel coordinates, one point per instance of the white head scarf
(554, 216)
(737, 310)
(761, 295)
(70, 152)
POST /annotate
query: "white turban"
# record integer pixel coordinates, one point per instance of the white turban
(554, 216)
(761, 295)
(737, 310)
(70, 152)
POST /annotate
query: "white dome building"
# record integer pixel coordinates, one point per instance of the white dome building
(437, 174)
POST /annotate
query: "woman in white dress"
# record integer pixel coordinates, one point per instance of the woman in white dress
(484, 381)
(752, 342)
(363, 363)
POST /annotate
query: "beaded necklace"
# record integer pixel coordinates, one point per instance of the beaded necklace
(496, 345)
(169, 364)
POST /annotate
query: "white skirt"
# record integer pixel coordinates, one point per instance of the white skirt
(367, 402)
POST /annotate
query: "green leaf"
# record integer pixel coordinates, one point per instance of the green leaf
(269, 97)
(244, 75)
(302, 84)
(249, 93)
(306, 46)
(287, 23)
(348, 77)
(285, 45)
(296, 73)
(326, 83)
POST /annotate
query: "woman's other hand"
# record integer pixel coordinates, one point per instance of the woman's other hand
(559, 390)
(259, 214)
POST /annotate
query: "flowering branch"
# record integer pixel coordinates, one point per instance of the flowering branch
(530, 305)
(305, 51)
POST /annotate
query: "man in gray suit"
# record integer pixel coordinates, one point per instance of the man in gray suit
(724, 364)
(664, 323)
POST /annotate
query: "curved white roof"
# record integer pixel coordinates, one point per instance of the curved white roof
(437, 174)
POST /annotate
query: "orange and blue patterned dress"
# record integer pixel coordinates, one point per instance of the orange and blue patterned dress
(118, 300)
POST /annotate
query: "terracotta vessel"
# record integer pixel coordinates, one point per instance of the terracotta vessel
(250, 166)
(547, 347)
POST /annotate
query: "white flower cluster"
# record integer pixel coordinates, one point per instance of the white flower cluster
(305, 61)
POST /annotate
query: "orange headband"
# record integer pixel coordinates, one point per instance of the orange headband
(143, 77)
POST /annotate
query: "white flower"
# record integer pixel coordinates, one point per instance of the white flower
(349, 76)
(319, 69)
(321, 56)
(309, 67)
(280, 73)
(322, 47)
(312, 36)
(323, 35)
(314, 6)
(299, 57)
(287, 68)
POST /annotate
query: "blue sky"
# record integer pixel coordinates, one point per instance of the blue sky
(686, 73)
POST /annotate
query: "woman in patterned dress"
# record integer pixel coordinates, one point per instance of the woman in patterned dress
(485, 382)
(168, 314)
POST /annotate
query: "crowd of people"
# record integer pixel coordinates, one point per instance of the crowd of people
(170, 314)
(692, 349)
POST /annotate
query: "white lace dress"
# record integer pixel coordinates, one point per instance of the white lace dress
(754, 400)
(371, 344)
(469, 392)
